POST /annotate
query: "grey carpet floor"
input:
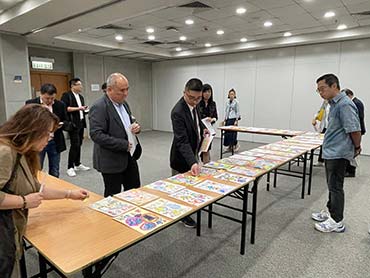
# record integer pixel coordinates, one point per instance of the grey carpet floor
(286, 243)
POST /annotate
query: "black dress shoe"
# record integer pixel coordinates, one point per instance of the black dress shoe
(349, 175)
(189, 222)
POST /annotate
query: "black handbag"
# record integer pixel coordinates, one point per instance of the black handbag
(7, 232)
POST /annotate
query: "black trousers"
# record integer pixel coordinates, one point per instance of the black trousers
(230, 138)
(335, 170)
(130, 178)
(76, 137)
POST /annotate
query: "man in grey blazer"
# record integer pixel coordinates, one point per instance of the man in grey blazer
(113, 130)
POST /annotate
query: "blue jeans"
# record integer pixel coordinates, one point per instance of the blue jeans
(53, 156)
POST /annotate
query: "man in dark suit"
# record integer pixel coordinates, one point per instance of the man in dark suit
(57, 143)
(113, 130)
(351, 170)
(77, 110)
(188, 133)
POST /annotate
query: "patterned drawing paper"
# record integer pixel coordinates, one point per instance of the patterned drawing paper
(252, 153)
(251, 172)
(191, 197)
(167, 208)
(111, 206)
(265, 164)
(217, 165)
(207, 172)
(278, 153)
(243, 157)
(185, 179)
(275, 157)
(165, 186)
(136, 196)
(232, 161)
(216, 187)
(234, 178)
(141, 220)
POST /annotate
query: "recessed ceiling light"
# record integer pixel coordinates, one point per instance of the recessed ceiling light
(342, 27)
(150, 30)
(220, 32)
(267, 24)
(151, 38)
(80, 30)
(189, 21)
(287, 34)
(207, 44)
(178, 49)
(243, 39)
(241, 10)
(118, 38)
(182, 38)
(329, 14)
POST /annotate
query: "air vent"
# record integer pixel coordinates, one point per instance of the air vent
(114, 27)
(195, 5)
(362, 13)
(153, 42)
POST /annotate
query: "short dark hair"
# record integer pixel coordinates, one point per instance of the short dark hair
(231, 90)
(329, 79)
(73, 81)
(194, 84)
(48, 88)
(348, 92)
(207, 87)
(104, 86)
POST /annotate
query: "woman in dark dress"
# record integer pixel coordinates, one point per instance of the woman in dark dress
(208, 111)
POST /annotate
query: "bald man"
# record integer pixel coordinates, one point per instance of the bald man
(113, 130)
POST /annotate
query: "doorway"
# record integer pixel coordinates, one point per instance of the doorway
(58, 79)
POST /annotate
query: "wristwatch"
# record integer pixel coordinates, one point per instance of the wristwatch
(357, 148)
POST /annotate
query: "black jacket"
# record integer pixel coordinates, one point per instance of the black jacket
(60, 110)
(185, 145)
(361, 113)
(70, 101)
(110, 154)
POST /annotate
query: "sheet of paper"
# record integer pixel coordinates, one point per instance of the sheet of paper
(191, 197)
(207, 140)
(132, 139)
(167, 208)
(209, 126)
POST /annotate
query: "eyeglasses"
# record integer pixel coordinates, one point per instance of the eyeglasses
(322, 88)
(193, 98)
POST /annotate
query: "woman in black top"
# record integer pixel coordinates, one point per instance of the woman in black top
(208, 110)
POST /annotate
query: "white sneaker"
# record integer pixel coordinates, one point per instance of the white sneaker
(330, 225)
(236, 148)
(82, 168)
(71, 172)
(320, 216)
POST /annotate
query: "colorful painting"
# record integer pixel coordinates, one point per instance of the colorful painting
(229, 177)
(217, 165)
(216, 187)
(207, 172)
(167, 208)
(165, 186)
(112, 207)
(185, 179)
(141, 220)
(191, 197)
(244, 157)
(247, 171)
(136, 196)
(232, 161)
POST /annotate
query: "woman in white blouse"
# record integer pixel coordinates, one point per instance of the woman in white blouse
(232, 116)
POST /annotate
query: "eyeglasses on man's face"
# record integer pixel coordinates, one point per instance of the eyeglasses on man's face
(192, 97)
(322, 88)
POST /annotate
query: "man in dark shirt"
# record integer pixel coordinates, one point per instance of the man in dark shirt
(351, 170)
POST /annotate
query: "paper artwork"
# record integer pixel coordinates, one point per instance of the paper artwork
(217, 165)
(167, 208)
(141, 220)
(165, 186)
(216, 187)
(136, 196)
(111, 206)
(191, 197)
(247, 171)
(229, 177)
(185, 179)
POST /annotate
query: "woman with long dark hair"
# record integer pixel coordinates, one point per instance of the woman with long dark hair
(22, 138)
(208, 111)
